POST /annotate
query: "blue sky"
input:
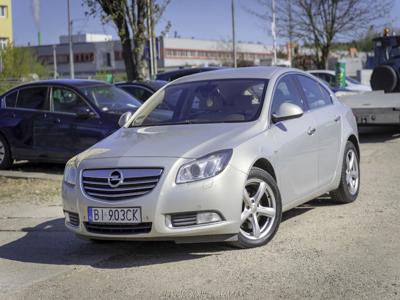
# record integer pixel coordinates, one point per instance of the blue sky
(205, 19)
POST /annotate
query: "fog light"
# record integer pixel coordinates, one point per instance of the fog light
(207, 217)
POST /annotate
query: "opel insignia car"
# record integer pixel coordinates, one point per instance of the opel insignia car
(235, 149)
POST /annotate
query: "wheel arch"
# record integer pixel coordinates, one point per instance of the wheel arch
(265, 165)
(352, 138)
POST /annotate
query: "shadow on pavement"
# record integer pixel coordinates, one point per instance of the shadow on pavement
(378, 134)
(51, 243)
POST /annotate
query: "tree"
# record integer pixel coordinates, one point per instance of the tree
(319, 23)
(18, 64)
(129, 17)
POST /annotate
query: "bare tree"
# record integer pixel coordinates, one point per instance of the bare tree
(319, 23)
(129, 17)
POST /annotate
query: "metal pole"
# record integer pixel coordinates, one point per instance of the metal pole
(290, 50)
(234, 35)
(55, 61)
(273, 29)
(71, 54)
(150, 38)
(153, 40)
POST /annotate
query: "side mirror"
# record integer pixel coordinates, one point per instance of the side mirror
(85, 113)
(287, 111)
(124, 118)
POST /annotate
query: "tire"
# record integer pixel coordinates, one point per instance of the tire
(385, 78)
(261, 208)
(349, 186)
(5, 154)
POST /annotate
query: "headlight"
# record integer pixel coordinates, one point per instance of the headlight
(70, 172)
(205, 167)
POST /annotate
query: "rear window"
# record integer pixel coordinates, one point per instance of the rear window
(33, 98)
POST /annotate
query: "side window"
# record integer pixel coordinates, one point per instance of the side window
(67, 101)
(326, 95)
(285, 92)
(11, 99)
(33, 98)
(138, 92)
(313, 92)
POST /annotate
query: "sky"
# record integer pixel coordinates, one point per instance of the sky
(201, 19)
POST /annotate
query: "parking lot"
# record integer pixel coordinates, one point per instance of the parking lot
(322, 250)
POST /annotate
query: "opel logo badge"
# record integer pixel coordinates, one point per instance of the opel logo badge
(115, 179)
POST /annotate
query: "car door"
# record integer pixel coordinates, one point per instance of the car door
(328, 126)
(296, 145)
(73, 126)
(25, 116)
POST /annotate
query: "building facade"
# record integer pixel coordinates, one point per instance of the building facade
(97, 53)
(6, 25)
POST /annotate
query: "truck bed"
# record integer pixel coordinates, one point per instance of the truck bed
(374, 108)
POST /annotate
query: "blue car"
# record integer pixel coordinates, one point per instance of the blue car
(54, 120)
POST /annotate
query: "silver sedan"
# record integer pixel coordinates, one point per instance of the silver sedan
(216, 156)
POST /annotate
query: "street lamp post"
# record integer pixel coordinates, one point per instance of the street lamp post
(234, 35)
(55, 61)
(71, 54)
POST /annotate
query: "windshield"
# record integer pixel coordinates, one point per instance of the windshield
(109, 98)
(212, 101)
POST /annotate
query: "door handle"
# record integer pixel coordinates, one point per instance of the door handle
(336, 119)
(57, 121)
(311, 131)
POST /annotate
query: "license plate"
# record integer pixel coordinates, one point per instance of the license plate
(126, 215)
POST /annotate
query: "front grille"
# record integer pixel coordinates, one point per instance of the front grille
(119, 229)
(181, 220)
(73, 219)
(119, 184)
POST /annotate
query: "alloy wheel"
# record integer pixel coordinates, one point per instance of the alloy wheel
(352, 172)
(258, 209)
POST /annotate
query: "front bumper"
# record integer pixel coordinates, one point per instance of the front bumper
(221, 194)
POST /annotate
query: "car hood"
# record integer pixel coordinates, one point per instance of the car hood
(184, 141)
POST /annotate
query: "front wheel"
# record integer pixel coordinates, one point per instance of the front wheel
(5, 154)
(349, 186)
(261, 210)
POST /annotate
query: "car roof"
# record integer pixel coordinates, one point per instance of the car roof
(183, 72)
(154, 85)
(65, 82)
(331, 72)
(247, 72)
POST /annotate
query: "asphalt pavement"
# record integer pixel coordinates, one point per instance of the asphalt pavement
(322, 250)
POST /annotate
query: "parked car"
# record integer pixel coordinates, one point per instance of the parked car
(141, 90)
(175, 74)
(352, 85)
(54, 120)
(238, 148)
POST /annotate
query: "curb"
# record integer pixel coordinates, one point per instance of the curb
(31, 175)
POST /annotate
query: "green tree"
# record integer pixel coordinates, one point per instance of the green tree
(17, 64)
(130, 18)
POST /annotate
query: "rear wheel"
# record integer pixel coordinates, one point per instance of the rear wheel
(349, 186)
(261, 210)
(5, 154)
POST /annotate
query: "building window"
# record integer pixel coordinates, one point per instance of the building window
(3, 11)
(3, 43)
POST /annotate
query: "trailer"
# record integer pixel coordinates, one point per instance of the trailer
(373, 108)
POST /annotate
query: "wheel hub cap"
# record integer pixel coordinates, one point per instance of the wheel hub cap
(352, 172)
(258, 210)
